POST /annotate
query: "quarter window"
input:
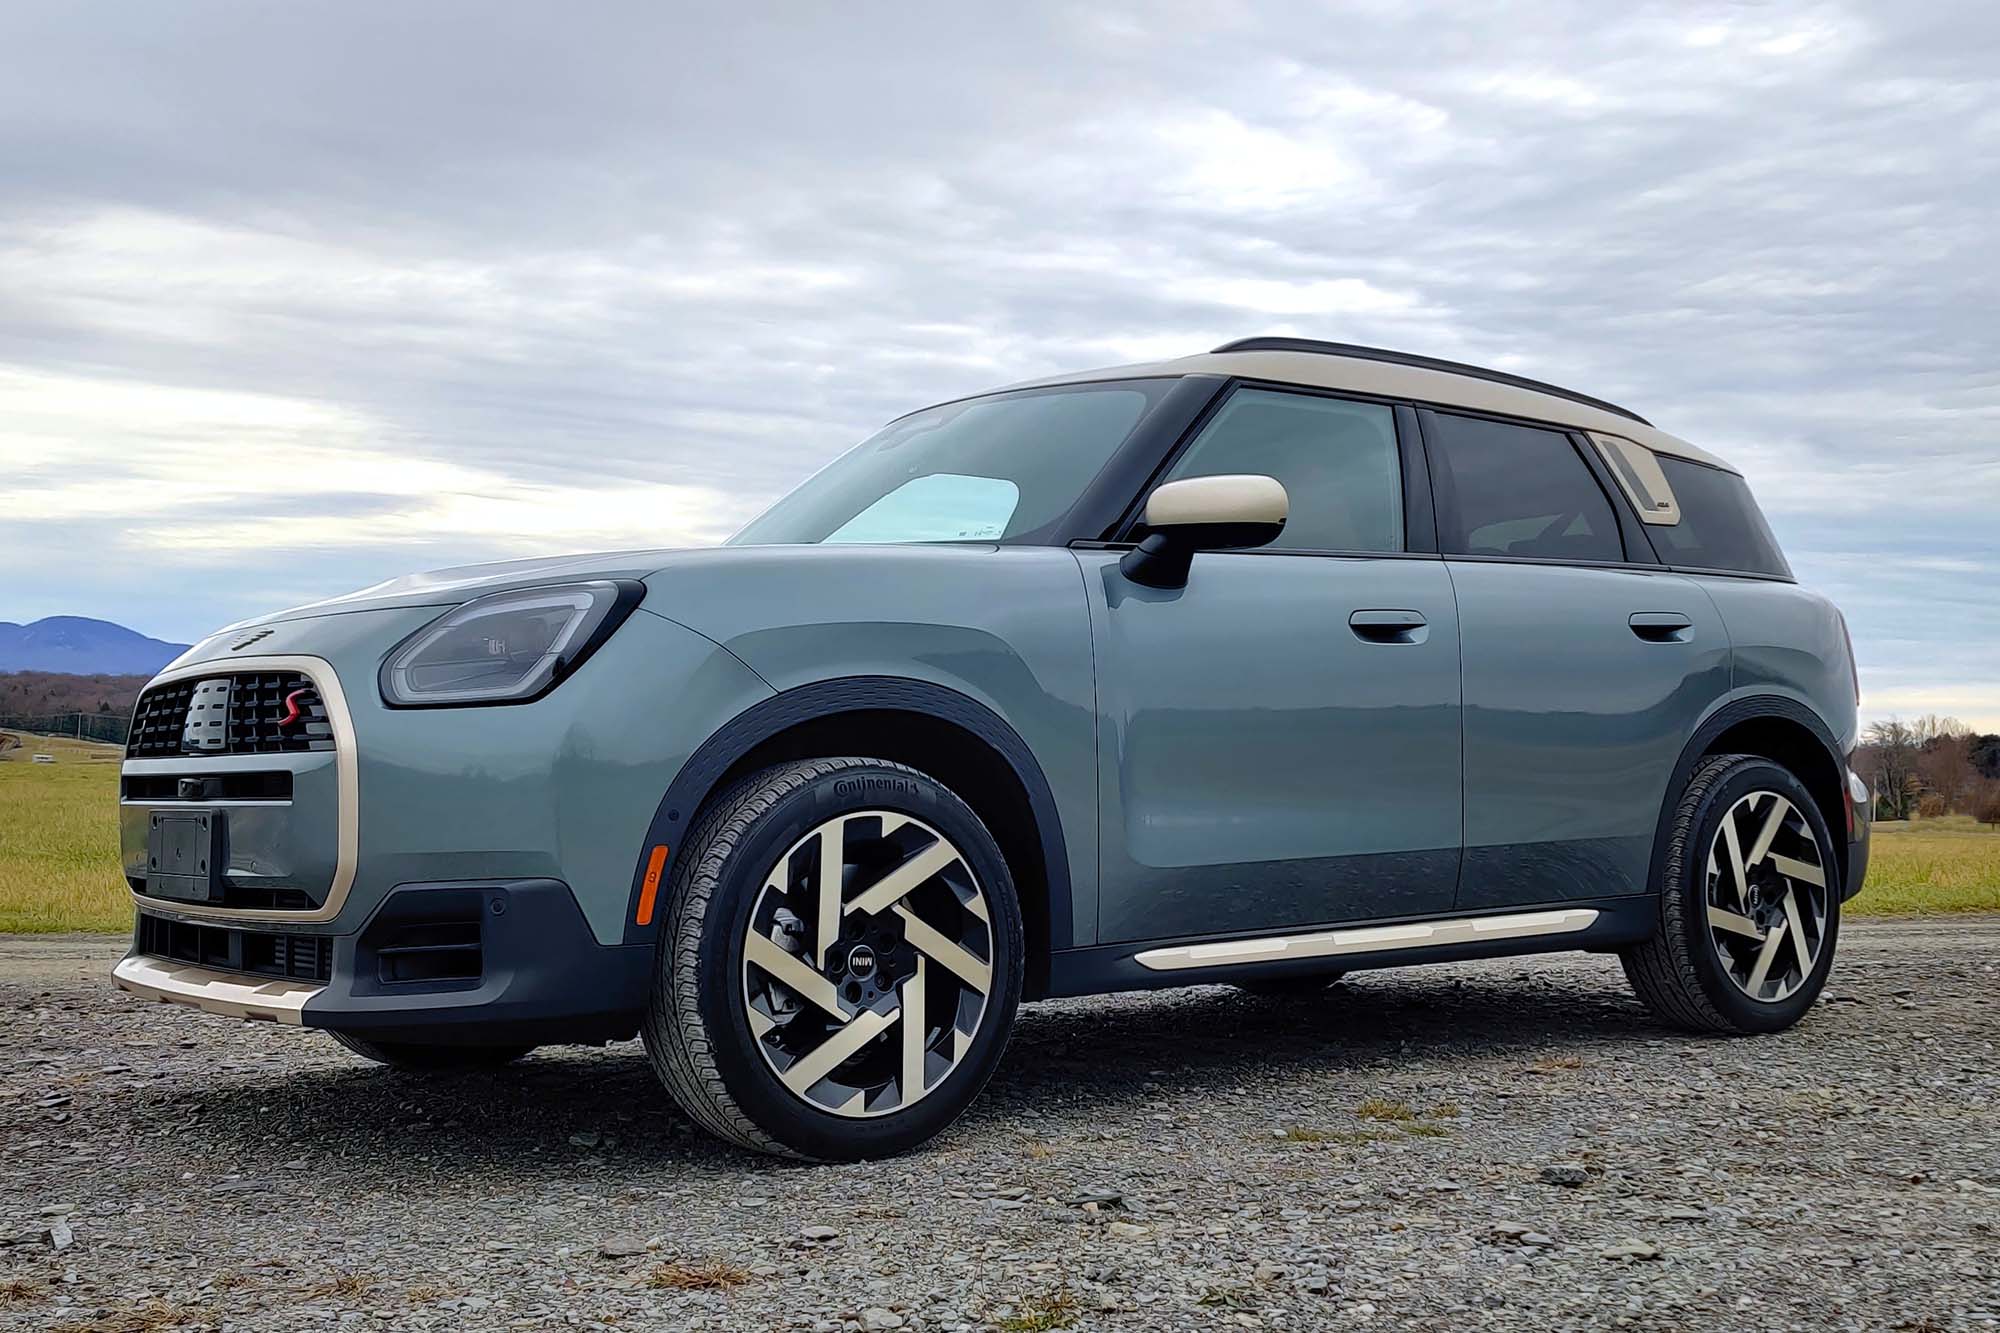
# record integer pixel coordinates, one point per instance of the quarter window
(1337, 461)
(1721, 526)
(1507, 490)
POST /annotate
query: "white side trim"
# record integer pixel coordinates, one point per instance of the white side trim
(346, 778)
(274, 998)
(1369, 939)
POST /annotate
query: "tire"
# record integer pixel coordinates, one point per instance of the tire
(417, 1057)
(1290, 988)
(1715, 944)
(756, 974)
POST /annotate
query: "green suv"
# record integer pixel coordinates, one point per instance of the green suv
(1255, 667)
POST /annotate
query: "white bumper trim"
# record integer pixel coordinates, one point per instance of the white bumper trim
(231, 993)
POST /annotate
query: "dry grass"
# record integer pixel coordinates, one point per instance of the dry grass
(1556, 1064)
(1375, 1108)
(1038, 1314)
(705, 1275)
(20, 1291)
(145, 1318)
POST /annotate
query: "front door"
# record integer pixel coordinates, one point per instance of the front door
(1278, 742)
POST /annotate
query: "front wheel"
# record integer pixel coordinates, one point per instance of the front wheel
(840, 963)
(1749, 908)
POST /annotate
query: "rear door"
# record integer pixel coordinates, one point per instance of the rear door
(1278, 742)
(1586, 664)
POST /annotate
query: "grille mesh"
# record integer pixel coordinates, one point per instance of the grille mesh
(256, 707)
(227, 949)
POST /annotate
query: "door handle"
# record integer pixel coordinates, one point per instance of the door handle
(1389, 626)
(1661, 626)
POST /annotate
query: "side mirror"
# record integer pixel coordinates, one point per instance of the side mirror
(1204, 514)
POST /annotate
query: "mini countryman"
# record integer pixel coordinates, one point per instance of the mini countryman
(1254, 667)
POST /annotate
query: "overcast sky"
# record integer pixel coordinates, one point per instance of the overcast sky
(294, 298)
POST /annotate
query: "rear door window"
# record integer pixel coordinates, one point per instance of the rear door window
(1517, 491)
(1721, 526)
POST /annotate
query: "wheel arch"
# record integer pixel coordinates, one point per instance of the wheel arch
(944, 733)
(1772, 727)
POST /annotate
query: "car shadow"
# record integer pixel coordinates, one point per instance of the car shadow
(1072, 1066)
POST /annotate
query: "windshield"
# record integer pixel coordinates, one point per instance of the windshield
(984, 470)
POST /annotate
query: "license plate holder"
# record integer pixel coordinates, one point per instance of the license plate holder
(185, 855)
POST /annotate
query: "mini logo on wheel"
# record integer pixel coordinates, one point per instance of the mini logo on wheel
(861, 961)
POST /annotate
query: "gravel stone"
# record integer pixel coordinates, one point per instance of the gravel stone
(1120, 1173)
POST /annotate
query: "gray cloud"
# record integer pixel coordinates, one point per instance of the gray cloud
(532, 262)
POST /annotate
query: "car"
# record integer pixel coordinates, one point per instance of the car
(1258, 666)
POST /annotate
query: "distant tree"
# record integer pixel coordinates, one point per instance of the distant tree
(1944, 761)
(1889, 760)
(1986, 803)
(1986, 756)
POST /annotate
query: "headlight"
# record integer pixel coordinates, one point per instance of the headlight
(506, 648)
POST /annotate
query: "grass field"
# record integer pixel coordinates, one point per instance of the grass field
(59, 839)
(59, 851)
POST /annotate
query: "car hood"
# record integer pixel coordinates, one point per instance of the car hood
(461, 583)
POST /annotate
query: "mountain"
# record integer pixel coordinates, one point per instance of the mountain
(80, 646)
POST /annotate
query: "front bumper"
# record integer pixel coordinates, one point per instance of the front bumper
(475, 962)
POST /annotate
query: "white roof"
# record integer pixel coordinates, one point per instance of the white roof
(1389, 379)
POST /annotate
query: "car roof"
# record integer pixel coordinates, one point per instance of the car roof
(1388, 374)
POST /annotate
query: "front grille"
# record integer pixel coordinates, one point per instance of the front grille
(254, 786)
(264, 953)
(256, 709)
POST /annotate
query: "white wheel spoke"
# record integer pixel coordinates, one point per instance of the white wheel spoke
(1733, 923)
(1772, 943)
(1739, 881)
(1797, 928)
(1799, 870)
(832, 860)
(895, 885)
(801, 980)
(944, 953)
(915, 1030)
(823, 1059)
(1774, 821)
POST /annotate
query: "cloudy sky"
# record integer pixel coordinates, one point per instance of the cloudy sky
(295, 298)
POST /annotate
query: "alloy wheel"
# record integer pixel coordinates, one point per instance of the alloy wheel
(1767, 896)
(867, 963)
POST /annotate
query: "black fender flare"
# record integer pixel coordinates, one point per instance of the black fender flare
(1749, 708)
(698, 778)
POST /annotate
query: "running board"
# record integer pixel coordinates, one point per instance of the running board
(1368, 939)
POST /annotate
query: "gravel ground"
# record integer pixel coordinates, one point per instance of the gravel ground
(1501, 1145)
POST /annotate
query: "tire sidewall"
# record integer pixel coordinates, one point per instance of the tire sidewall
(780, 1113)
(1739, 1009)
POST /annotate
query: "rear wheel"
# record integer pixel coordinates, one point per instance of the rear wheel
(430, 1057)
(841, 962)
(1748, 913)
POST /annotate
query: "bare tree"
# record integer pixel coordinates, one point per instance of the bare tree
(1889, 759)
(1986, 803)
(1944, 760)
